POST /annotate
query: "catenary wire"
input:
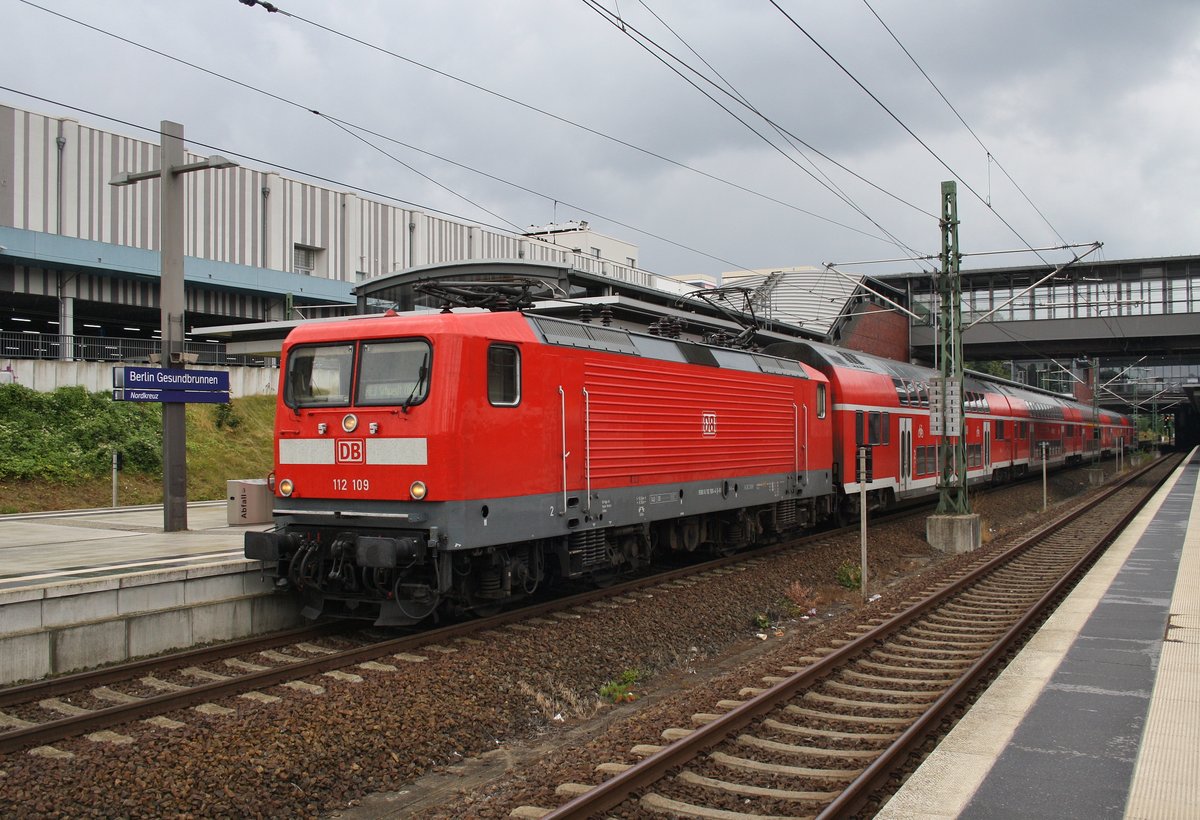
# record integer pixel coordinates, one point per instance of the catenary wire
(345, 125)
(731, 91)
(558, 118)
(395, 141)
(394, 158)
(653, 48)
(901, 123)
(990, 155)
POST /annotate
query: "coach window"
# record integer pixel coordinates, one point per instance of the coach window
(877, 428)
(1000, 430)
(504, 375)
(820, 401)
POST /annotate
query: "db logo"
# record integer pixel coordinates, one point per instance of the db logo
(348, 451)
(708, 423)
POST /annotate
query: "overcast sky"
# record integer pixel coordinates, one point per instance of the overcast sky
(1092, 107)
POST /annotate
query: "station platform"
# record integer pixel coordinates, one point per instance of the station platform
(1099, 715)
(86, 587)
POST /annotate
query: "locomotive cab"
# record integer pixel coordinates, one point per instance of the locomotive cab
(370, 438)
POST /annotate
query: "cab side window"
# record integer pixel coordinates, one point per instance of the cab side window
(504, 375)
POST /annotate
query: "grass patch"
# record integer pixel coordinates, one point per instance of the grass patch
(56, 448)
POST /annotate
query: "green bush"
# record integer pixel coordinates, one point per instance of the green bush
(70, 433)
(225, 416)
(849, 575)
(619, 690)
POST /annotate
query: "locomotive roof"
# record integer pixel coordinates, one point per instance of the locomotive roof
(619, 340)
(517, 327)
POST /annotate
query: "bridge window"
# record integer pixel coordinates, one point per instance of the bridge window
(1178, 296)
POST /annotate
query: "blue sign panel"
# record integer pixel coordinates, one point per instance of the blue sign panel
(162, 378)
(162, 384)
(189, 396)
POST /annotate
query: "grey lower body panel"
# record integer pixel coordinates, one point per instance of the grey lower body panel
(495, 521)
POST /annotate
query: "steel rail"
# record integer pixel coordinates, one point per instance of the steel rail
(875, 775)
(24, 692)
(617, 789)
(62, 728)
(44, 733)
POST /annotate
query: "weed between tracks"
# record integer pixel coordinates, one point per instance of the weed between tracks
(561, 703)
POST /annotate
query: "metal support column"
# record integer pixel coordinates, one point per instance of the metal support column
(952, 484)
(171, 228)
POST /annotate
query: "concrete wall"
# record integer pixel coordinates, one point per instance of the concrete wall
(46, 376)
(80, 625)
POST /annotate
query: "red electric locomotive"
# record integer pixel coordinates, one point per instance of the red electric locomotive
(459, 461)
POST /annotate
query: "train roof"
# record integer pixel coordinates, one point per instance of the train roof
(1042, 403)
(516, 326)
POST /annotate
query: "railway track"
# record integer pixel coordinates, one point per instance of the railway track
(42, 712)
(826, 734)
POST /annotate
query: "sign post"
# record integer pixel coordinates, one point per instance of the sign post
(862, 517)
(172, 232)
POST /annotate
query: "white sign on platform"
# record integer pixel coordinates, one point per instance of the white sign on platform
(945, 414)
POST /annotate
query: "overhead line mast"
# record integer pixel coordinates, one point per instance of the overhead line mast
(952, 485)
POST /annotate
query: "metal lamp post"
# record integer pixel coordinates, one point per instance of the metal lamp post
(171, 241)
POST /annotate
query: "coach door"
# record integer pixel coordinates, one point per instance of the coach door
(906, 453)
(987, 449)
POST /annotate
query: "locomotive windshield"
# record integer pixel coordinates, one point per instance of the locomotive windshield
(393, 373)
(389, 372)
(319, 376)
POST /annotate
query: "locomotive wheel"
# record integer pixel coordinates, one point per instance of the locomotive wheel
(603, 578)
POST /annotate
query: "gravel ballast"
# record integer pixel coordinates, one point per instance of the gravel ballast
(524, 697)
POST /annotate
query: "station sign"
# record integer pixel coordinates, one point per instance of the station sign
(162, 384)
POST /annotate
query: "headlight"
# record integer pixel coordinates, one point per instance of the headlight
(349, 422)
(417, 490)
(286, 487)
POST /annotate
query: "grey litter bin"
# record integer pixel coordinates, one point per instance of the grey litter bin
(250, 502)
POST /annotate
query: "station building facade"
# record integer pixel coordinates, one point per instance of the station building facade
(79, 264)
